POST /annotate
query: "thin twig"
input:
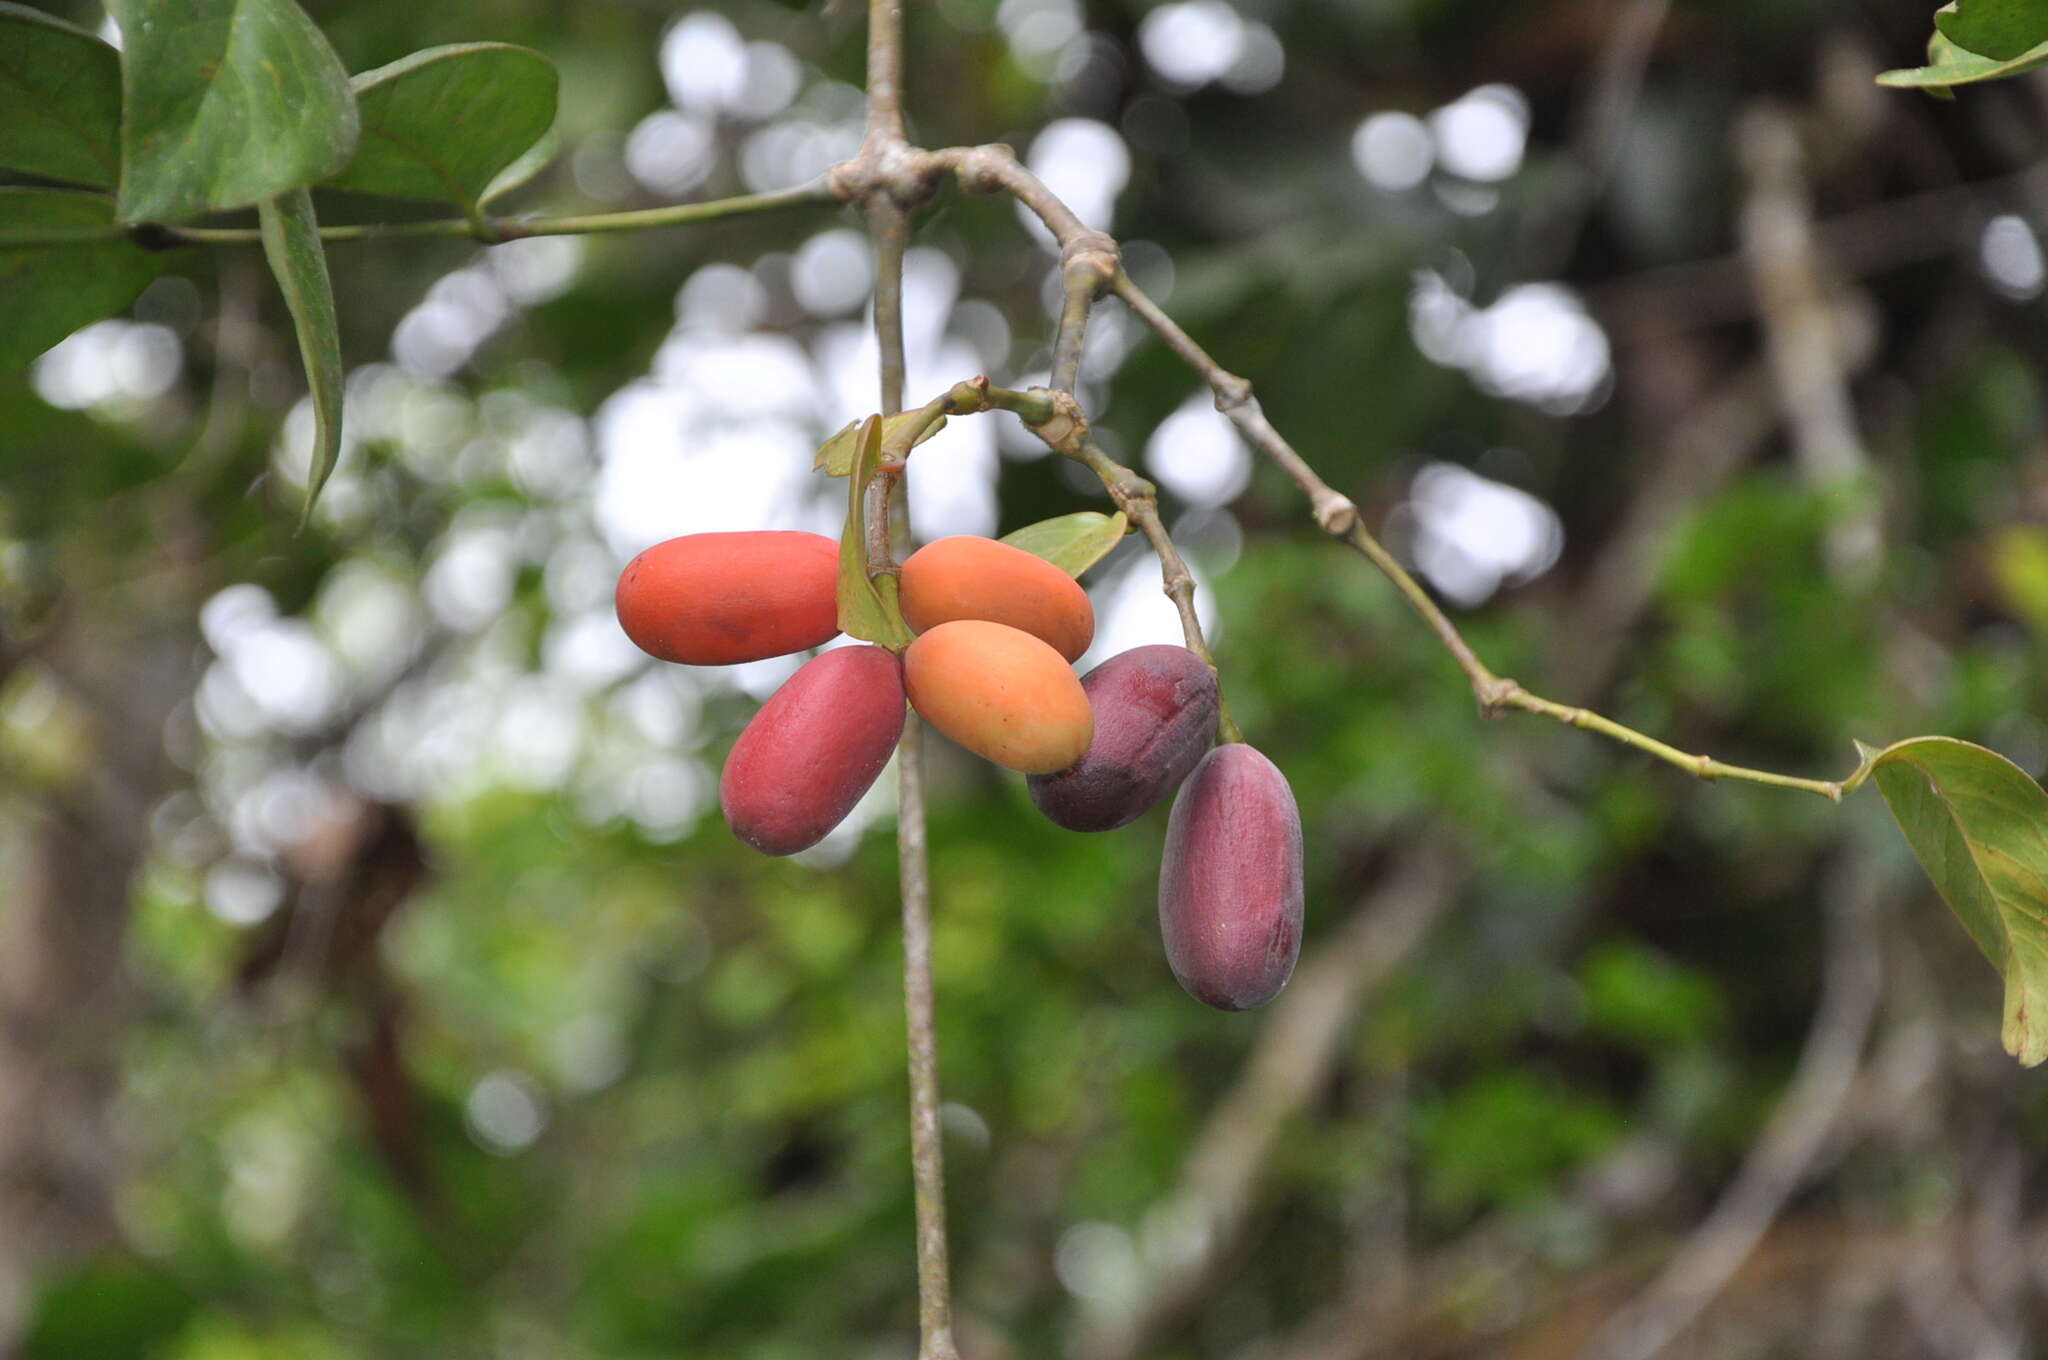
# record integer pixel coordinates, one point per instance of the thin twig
(1340, 519)
(156, 235)
(889, 224)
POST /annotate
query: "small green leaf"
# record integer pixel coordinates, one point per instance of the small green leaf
(228, 103)
(835, 456)
(443, 123)
(867, 607)
(1979, 827)
(1073, 543)
(60, 99)
(291, 242)
(1949, 65)
(1999, 29)
(47, 292)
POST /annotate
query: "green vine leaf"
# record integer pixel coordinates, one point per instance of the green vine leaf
(835, 457)
(1999, 29)
(1073, 543)
(1949, 65)
(867, 605)
(47, 292)
(1979, 827)
(228, 103)
(291, 242)
(60, 99)
(443, 123)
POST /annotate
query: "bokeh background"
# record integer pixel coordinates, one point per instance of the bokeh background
(377, 977)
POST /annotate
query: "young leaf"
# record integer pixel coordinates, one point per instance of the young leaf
(47, 292)
(291, 242)
(1949, 65)
(441, 124)
(228, 103)
(60, 99)
(1979, 827)
(1073, 543)
(867, 607)
(1999, 29)
(836, 455)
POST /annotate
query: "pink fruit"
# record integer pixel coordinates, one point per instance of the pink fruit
(1230, 881)
(1155, 714)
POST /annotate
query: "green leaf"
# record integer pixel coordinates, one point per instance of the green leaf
(1950, 65)
(835, 457)
(291, 242)
(1979, 827)
(228, 103)
(47, 292)
(443, 123)
(60, 99)
(867, 606)
(1999, 29)
(1073, 543)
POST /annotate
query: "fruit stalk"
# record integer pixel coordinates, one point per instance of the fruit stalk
(889, 225)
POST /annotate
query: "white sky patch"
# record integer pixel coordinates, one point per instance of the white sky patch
(1084, 163)
(1132, 609)
(1197, 455)
(1481, 135)
(1472, 535)
(1192, 43)
(1536, 343)
(2010, 255)
(1393, 151)
(832, 272)
(704, 63)
(107, 363)
(671, 153)
(241, 893)
(505, 1112)
(1040, 32)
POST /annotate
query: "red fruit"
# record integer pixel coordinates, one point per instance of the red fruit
(1155, 714)
(717, 599)
(1230, 881)
(813, 749)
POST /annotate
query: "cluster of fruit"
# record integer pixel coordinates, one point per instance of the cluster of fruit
(998, 630)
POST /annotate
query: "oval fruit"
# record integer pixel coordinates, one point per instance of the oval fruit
(717, 599)
(966, 577)
(814, 748)
(1155, 714)
(1001, 693)
(1230, 881)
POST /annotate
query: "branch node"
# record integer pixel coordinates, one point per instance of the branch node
(1065, 431)
(1494, 694)
(1336, 514)
(1231, 392)
(1092, 258)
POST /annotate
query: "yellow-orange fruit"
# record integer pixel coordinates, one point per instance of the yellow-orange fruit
(1001, 693)
(979, 578)
(717, 599)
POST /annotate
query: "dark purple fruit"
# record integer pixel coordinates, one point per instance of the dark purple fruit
(1155, 714)
(813, 749)
(1230, 881)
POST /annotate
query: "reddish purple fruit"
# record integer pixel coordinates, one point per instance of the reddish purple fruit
(813, 749)
(1155, 714)
(1230, 881)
